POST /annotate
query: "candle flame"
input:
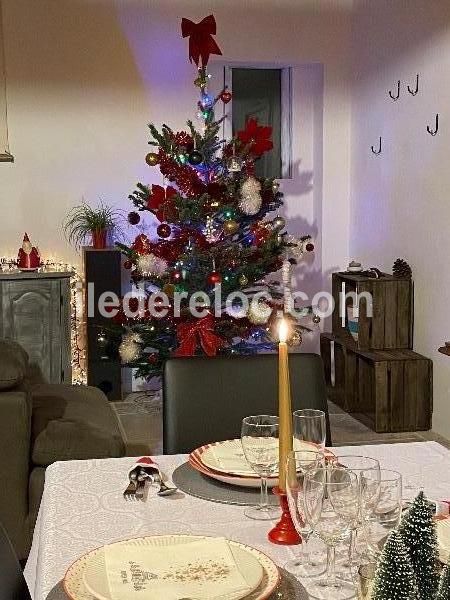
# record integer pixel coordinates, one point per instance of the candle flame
(283, 330)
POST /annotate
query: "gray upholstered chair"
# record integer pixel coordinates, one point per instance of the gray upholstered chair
(42, 423)
(12, 582)
(205, 399)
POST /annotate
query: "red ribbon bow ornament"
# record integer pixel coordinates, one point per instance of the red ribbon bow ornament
(201, 42)
(160, 202)
(200, 330)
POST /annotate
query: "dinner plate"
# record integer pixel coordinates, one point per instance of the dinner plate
(88, 572)
(443, 535)
(232, 449)
(249, 482)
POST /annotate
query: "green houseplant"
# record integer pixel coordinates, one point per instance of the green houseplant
(84, 222)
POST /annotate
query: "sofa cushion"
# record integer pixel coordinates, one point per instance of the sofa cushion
(11, 372)
(73, 422)
(13, 364)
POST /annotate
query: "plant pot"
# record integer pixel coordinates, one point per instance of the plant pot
(99, 239)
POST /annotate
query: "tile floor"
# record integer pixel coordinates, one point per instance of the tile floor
(141, 420)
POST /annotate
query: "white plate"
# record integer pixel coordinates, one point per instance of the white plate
(249, 482)
(76, 577)
(233, 449)
(443, 535)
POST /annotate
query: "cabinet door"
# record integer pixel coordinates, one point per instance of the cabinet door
(31, 314)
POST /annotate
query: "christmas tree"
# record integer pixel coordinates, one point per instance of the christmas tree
(444, 584)
(418, 531)
(214, 233)
(394, 577)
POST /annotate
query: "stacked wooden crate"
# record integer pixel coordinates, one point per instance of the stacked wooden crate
(378, 377)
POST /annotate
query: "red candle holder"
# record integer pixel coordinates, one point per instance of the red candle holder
(284, 531)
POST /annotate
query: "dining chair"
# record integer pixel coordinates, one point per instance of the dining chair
(205, 399)
(12, 582)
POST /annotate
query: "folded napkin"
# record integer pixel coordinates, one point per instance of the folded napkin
(201, 570)
(231, 459)
(144, 463)
(443, 535)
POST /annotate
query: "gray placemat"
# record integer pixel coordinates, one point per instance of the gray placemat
(190, 481)
(289, 588)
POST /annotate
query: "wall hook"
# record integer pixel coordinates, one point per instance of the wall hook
(414, 92)
(379, 148)
(436, 129)
(398, 92)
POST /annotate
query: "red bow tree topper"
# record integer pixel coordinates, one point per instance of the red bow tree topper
(201, 41)
(160, 202)
(256, 137)
(198, 331)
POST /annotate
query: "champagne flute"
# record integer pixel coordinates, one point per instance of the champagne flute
(310, 426)
(381, 501)
(297, 465)
(331, 500)
(259, 438)
(357, 464)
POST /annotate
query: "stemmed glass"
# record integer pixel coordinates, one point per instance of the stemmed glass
(310, 426)
(297, 465)
(381, 500)
(357, 464)
(331, 500)
(259, 438)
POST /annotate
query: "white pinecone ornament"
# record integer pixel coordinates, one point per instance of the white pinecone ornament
(129, 348)
(259, 312)
(151, 265)
(251, 200)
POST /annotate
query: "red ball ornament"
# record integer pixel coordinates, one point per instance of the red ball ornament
(176, 276)
(163, 230)
(309, 247)
(133, 218)
(214, 277)
(153, 358)
(127, 264)
(225, 96)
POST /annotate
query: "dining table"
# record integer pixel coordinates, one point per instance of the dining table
(83, 508)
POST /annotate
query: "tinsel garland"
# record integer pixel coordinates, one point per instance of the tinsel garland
(186, 178)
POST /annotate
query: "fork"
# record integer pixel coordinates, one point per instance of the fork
(130, 492)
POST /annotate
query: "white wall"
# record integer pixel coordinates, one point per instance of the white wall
(400, 200)
(86, 76)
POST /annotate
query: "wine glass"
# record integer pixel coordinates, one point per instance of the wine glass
(310, 426)
(297, 464)
(381, 500)
(259, 438)
(331, 500)
(357, 464)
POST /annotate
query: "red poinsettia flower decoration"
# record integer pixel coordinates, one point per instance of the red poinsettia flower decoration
(257, 137)
(160, 202)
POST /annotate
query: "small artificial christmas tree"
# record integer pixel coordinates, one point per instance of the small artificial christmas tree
(444, 584)
(418, 531)
(394, 577)
(213, 231)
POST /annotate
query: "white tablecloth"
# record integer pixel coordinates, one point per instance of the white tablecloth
(82, 508)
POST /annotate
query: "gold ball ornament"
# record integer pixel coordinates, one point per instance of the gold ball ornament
(275, 187)
(152, 159)
(295, 339)
(169, 289)
(278, 223)
(316, 319)
(230, 226)
(243, 279)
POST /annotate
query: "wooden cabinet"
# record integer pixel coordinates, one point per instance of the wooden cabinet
(35, 312)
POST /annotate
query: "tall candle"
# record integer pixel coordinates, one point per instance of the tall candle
(284, 404)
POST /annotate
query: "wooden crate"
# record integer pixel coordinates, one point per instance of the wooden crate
(392, 311)
(389, 390)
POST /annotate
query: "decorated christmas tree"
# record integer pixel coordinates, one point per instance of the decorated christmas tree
(418, 531)
(444, 584)
(394, 577)
(218, 233)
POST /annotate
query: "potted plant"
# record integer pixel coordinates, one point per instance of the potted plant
(84, 222)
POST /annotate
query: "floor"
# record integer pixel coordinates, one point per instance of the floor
(140, 417)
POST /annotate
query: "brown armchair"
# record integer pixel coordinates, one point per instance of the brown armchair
(42, 423)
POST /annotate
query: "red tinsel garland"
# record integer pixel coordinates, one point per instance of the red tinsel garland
(185, 177)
